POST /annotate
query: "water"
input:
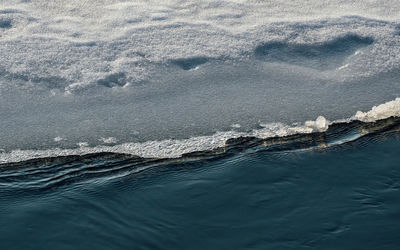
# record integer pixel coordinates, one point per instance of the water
(341, 197)
(199, 124)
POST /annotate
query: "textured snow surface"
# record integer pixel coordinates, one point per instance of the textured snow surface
(163, 78)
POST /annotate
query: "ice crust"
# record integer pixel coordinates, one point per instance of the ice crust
(380, 112)
(176, 148)
(159, 79)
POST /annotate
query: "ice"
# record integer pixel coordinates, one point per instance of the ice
(135, 72)
(380, 112)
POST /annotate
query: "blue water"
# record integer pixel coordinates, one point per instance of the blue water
(340, 197)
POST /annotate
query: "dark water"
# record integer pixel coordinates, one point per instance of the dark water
(277, 197)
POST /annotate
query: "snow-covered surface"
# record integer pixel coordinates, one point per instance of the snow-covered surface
(158, 79)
